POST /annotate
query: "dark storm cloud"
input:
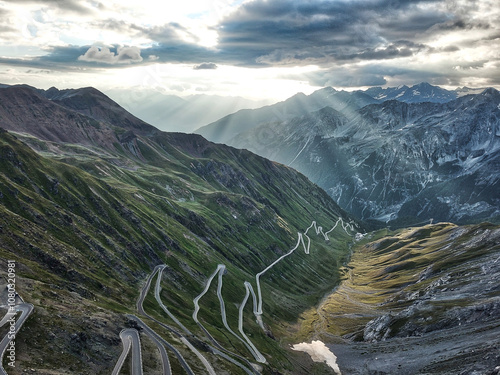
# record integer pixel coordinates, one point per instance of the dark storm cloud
(263, 31)
(462, 25)
(270, 33)
(38, 63)
(77, 58)
(398, 49)
(377, 75)
(64, 54)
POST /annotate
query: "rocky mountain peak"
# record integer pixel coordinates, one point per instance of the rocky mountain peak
(491, 92)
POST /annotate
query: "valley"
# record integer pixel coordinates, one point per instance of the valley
(143, 252)
(88, 218)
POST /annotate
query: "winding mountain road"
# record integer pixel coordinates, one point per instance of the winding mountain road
(151, 333)
(161, 342)
(257, 305)
(25, 309)
(164, 308)
(186, 342)
(257, 301)
(221, 269)
(130, 338)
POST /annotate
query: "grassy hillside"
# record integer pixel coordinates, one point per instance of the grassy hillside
(87, 225)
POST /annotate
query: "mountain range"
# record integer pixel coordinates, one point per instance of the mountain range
(346, 102)
(393, 161)
(120, 235)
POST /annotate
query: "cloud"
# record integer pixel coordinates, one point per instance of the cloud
(346, 77)
(205, 66)
(4, 13)
(43, 71)
(351, 42)
(291, 31)
(7, 24)
(462, 24)
(123, 55)
(171, 33)
(76, 6)
(7, 29)
(97, 56)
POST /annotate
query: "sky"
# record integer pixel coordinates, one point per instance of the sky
(258, 49)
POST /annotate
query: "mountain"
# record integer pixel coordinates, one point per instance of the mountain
(76, 116)
(173, 113)
(461, 91)
(396, 162)
(93, 201)
(223, 130)
(94, 104)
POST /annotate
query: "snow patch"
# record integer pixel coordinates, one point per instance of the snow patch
(319, 352)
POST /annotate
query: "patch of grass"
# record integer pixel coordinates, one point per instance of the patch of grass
(93, 223)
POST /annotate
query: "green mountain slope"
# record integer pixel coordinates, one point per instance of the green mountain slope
(87, 221)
